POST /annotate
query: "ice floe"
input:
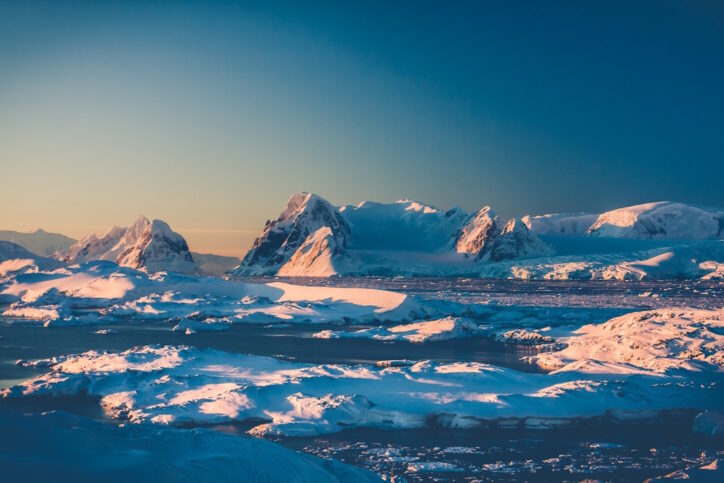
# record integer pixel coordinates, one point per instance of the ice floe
(429, 330)
(103, 292)
(628, 368)
(650, 341)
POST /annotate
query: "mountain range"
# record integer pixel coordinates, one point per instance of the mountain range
(39, 241)
(312, 237)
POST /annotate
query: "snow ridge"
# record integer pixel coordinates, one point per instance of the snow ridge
(662, 219)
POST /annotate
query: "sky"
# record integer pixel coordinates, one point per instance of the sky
(210, 115)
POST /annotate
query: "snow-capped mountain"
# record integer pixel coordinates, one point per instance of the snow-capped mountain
(485, 237)
(149, 245)
(660, 220)
(477, 235)
(407, 238)
(517, 241)
(564, 224)
(298, 226)
(40, 242)
(15, 257)
(313, 238)
(12, 251)
(663, 220)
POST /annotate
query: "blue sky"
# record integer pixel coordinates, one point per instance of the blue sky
(211, 114)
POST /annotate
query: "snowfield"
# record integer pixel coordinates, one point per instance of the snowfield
(647, 342)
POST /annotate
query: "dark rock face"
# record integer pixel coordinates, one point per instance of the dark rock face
(516, 241)
(305, 214)
(476, 237)
(483, 237)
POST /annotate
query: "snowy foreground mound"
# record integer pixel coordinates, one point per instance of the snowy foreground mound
(630, 367)
(103, 292)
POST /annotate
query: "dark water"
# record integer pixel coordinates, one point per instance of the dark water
(597, 450)
(633, 294)
(27, 341)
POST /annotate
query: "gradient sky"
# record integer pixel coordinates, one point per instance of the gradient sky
(210, 115)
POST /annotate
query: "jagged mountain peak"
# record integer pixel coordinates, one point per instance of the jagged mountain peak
(475, 236)
(514, 225)
(485, 236)
(145, 244)
(304, 214)
(300, 202)
(517, 241)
